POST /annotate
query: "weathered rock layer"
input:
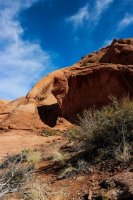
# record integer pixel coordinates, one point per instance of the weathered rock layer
(65, 93)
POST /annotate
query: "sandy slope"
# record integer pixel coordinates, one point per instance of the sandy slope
(15, 141)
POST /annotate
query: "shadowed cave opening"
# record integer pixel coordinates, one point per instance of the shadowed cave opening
(88, 91)
(49, 114)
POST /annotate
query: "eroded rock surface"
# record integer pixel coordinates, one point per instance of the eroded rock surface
(68, 91)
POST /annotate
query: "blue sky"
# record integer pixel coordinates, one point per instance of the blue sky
(39, 36)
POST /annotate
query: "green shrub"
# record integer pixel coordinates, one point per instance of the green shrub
(58, 157)
(49, 132)
(73, 133)
(67, 172)
(109, 128)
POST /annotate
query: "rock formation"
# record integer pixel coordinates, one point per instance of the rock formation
(61, 95)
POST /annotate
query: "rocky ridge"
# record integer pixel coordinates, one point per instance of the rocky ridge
(57, 98)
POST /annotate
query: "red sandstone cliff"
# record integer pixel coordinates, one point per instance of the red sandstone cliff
(65, 93)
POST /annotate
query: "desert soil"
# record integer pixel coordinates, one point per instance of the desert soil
(15, 141)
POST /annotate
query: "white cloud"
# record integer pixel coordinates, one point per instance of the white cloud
(100, 7)
(126, 21)
(91, 15)
(21, 62)
(80, 17)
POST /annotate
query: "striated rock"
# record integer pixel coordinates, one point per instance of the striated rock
(68, 91)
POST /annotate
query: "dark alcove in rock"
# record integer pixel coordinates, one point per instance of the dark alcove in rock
(49, 114)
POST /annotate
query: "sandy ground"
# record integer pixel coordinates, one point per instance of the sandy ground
(15, 141)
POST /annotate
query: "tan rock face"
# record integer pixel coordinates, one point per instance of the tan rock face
(120, 52)
(67, 92)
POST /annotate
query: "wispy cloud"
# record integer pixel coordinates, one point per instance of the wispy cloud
(100, 7)
(79, 17)
(91, 15)
(21, 61)
(126, 21)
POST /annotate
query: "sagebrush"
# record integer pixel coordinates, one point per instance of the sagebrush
(109, 129)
